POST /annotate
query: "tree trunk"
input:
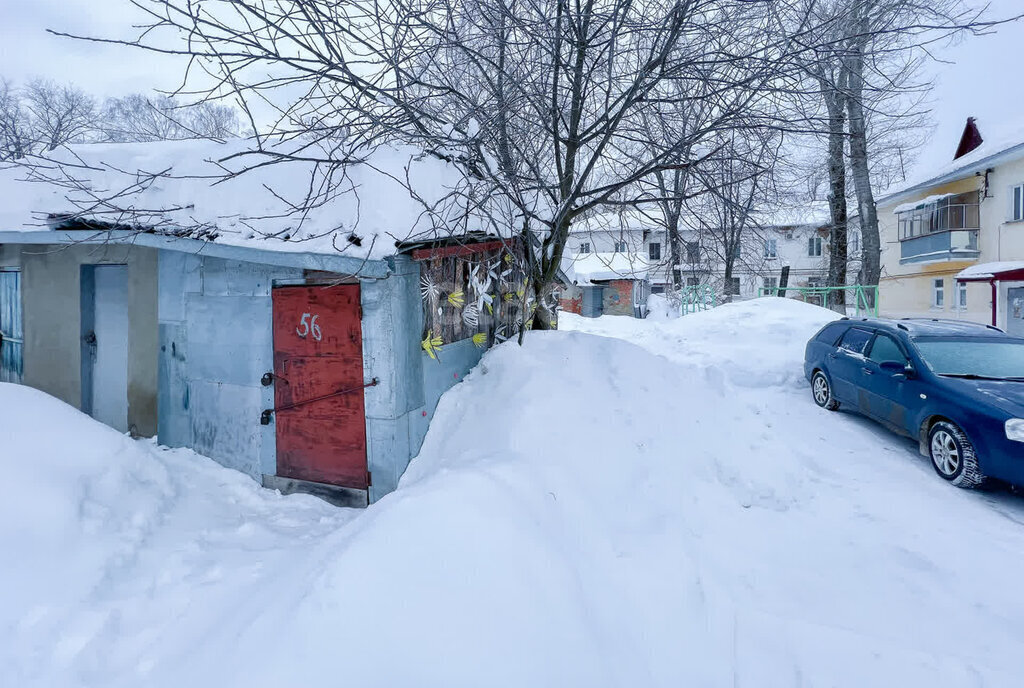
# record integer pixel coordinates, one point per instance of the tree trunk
(729, 260)
(675, 252)
(871, 251)
(838, 211)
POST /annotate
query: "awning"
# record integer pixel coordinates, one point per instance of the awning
(1003, 271)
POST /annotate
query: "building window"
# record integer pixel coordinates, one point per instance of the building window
(657, 288)
(654, 250)
(771, 285)
(961, 295)
(1017, 212)
(585, 247)
(771, 248)
(737, 252)
(938, 293)
(814, 246)
(692, 281)
(853, 245)
(692, 252)
(620, 246)
(732, 286)
(815, 282)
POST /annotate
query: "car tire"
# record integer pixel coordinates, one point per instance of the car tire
(953, 455)
(821, 391)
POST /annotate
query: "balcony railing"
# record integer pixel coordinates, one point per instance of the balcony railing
(950, 244)
(945, 228)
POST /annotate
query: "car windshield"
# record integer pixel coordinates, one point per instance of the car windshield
(986, 358)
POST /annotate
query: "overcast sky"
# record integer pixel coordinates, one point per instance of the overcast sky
(983, 80)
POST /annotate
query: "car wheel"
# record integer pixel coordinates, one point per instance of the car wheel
(953, 455)
(821, 390)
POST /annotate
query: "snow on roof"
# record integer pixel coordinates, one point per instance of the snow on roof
(192, 189)
(585, 268)
(904, 207)
(805, 214)
(626, 221)
(999, 138)
(779, 214)
(989, 270)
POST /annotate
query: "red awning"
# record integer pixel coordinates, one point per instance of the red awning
(992, 272)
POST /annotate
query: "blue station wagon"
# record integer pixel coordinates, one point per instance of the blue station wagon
(956, 387)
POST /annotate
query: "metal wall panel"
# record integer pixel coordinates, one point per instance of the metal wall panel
(12, 347)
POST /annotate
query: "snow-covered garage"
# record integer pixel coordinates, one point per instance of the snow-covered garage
(293, 349)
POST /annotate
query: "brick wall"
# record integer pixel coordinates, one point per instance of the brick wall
(618, 297)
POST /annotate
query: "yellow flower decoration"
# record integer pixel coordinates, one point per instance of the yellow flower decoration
(457, 298)
(480, 339)
(432, 344)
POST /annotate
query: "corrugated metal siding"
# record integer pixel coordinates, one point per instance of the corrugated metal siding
(11, 357)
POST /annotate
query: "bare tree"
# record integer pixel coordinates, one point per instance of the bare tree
(865, 72)
(728, 218)
(540, 102)
(15, 132)
(137, 117)
(58, 114)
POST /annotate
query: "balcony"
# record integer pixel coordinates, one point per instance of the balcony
(951, 244)
(940, 229)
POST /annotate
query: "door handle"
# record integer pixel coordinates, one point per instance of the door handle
(868, 371)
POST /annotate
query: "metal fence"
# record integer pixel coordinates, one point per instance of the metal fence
(694, 299)
(865, 298)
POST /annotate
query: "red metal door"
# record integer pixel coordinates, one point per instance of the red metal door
(318, 352)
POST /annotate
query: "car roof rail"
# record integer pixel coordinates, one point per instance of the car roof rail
(952, 321)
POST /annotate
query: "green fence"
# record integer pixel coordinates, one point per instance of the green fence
(697, 298)
(865, 299)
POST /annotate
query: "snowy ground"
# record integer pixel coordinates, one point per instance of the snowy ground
(660, 505)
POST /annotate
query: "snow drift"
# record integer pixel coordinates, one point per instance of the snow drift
(671, 510)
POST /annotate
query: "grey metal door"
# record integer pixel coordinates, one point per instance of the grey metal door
(105, 326)
(1015, 311)
(12, 343)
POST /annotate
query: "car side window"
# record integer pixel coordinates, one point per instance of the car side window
(885, 349)
(855, 341)
(831, 333)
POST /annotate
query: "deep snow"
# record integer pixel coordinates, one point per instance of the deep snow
(659, 505)
(218, 192)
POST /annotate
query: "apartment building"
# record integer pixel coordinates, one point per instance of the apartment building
(793, 237)
(951, 241)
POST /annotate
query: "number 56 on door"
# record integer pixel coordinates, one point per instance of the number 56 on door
(309, 326)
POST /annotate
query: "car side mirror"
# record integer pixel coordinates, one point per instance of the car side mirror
(897, 368)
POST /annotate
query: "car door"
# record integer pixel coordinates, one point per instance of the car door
(846, 366)
(888, 392)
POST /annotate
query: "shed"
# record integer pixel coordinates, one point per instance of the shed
(306, 349)
(595, 284)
